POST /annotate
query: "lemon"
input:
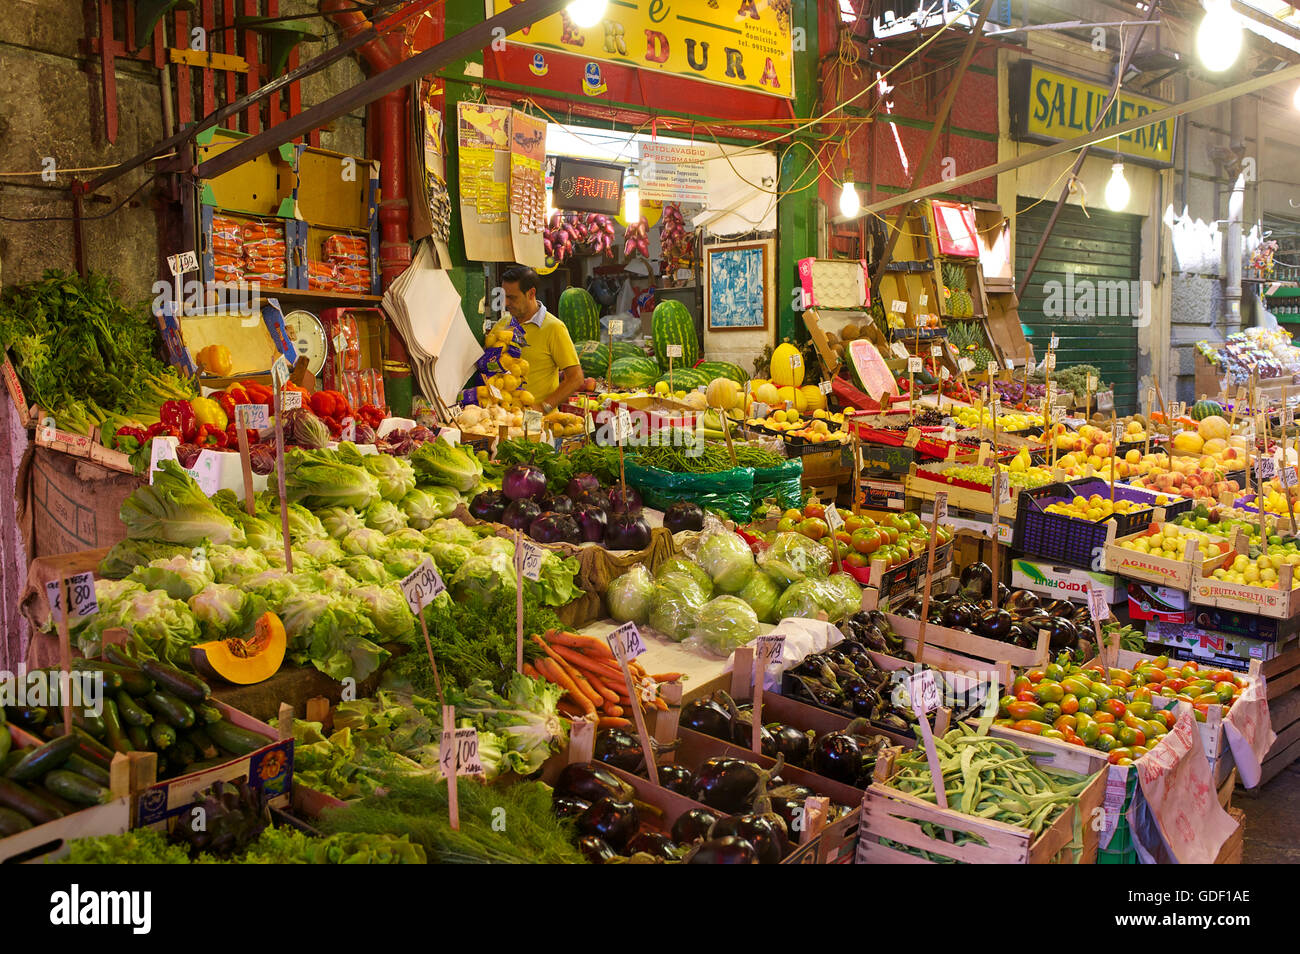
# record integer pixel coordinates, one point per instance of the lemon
(661, 388)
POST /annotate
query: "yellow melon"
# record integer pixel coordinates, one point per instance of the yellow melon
(813, 397)
(787, 366)
(766, 393)
(723, 393)
(1214, 446)
(795, 398)
(1188, 442)
(1212, 427)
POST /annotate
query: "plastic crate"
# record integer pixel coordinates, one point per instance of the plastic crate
(1120, 851)
(1069, 540)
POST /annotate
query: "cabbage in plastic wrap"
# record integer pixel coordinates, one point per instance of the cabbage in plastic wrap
(792, 557)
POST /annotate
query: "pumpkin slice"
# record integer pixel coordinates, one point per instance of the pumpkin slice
(243, 661)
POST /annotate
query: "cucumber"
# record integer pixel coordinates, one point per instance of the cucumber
(182, 755)
(13, 758)
(83, 766)
(170, 709)
(163, 735)
(130, 711)
(27, 803)
(180, 684)
(129, 678)
(11, 823)
(202, 743)
(208, 713)
(114, 735)
(27, 717)
(234, 739)
(139, 736)
(109, 680)
(51, 755)
(77, 788)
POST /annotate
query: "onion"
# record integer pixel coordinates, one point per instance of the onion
(523, 482)
(520, 514)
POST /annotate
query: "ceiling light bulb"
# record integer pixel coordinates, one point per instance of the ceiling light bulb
(1218, 38)
(850, 205)
(586, 13)
(1117, 190)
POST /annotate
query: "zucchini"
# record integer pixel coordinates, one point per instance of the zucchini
(139, 736)
(27, 717)
(93, 724)
(208, 713)
(129, 678)
(113, 732)
(92, 748)
(83, 766)
(172, 680)
(202, 743)
(170, 709)
(11, 823)
(77, 788)
(14, 756)
(27, 803)
(118, 656)
(109, 680)
(182, 755)
(58, 801)
(6, 740)
(131, 711)
(163, 735)
(51, 755)
(234, 739)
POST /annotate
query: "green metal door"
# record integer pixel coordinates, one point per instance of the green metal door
(1085, 290)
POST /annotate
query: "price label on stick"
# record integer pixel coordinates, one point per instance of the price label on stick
(967, 365)
(182, 263)
(626, 643)
(1177, 409)
(824, 387)
(941, 506)
(615, 326)
(674, 351)
(923, 692)
(422, 585)
(1265, 468)
(531, 560)
(1288, 477)
(936, 351)
(898, 306)
(1116, 433)
(1092, 382)
(621, 425)
(760, 410)
(993, 367)
(1059, 412)
(922, 300)
(899, 349)
(1098, 608)
(833, 519)
(81, 594)
(290, 400)
(1051, 361)
(462, 746)
(943, 374)
(488, 324)
(256, 417)
(915, 365)
(769, 649)
(279, 372)
(1055, 343)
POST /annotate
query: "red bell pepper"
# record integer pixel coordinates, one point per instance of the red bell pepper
(207, 436)
(162, 428)
(180, 415)
(227, 401)
(129, 439)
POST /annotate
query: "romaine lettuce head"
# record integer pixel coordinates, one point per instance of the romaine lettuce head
(680, 564)
(629, 596)
(762, 593)
(451, 531)
(395, 475)
(793, 557)
(728, 560)
(180, 577)
(330, 630)
(365, 569)
(318, 478)
(259, 531)
(385, 516)
(423, 507)
(438, 462)
(233, 564)
(174, 510)
(340, 521)
(365, 542)
(724, 623)
(223, 611)
(125, 555)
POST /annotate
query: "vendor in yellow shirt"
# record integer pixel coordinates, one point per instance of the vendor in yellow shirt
(553, 369)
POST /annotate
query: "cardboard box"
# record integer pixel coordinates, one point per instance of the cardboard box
(15, 389)
(255, 340)
(880, 460)
(1149, 602)
(1233, 623)
(1064, 582)
(263, 185)
(883, 495)
(1192, 642)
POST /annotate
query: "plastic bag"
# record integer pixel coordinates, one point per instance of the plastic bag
(792, 557)
(723, 624)
(685, 583)
(629, 596)
(727, 558)
(849, 595)
(729, 491)
(783, 483)
(761, 593)
(807, 598)
(683, 565)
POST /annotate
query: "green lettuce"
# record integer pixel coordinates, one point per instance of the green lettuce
(451, 531)
(125, 555)
(423, 507)
(728, 560)
(365, 569)
(330, 630)
(629, 596)
(449, 557)
(161, 627)
(223, 611)
(762, 593)
(395, 475)
(408, 538)
(365, 542)
(480, 578)
(340, 521)
(724, 624)
(680, 564)
(275, 586)
(318, 479)
(179, 576)
(792, 557)
(260, 531)
(323, 551)
(233, 564)
(385, 516)
(335, 578)
(526, 719)
(387, 610)
(400, 562)
(174, 510)
(438, 462)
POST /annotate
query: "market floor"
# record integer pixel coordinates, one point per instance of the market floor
(1272, 820)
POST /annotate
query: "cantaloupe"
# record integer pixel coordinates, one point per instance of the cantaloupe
(1212, 427)
(1188, 442)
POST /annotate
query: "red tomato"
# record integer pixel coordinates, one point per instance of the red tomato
(1115, 707)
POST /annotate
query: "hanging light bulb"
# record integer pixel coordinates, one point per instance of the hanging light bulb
(1117, 190)
(586, 13)
(850, 204)
(1218, 38)
(631, 205)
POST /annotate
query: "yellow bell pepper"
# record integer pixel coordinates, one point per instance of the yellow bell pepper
(208, 411)
(215, 359)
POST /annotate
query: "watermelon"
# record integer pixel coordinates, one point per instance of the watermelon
(686, 379)
(594, 358)
(580, 314)
(634, 373)
(625, 349)
(1203, 409)
(723, 369)
(673, 324)
(868, 371)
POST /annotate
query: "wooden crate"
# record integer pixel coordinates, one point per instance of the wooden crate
(967, 646)
(1284, 711)
(1280, 603)
(1281, 673)
(1174, 572)
(925, 482)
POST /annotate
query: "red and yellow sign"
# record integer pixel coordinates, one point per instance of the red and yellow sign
(741, 44)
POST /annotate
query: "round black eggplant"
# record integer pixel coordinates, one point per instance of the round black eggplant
(595, 849)
(724, 851)
(1064, 634)
(767, 835)
(977, 581)
(707, 716)
(590, 781)
(654, 844)
(676, 778)
(610, 819)
(566, 806)
(792, 743)
(958, 615)
(994, 623)
(727, 784)
(693, 825)
(619, 749)
(1023, 602)
(838, 756)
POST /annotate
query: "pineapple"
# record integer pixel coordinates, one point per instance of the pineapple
(960, 303)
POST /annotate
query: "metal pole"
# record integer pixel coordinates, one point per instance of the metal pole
(1083, 154)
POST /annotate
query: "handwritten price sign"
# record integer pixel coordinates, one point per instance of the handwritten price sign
(616, 326)
(674, 351)
(290, 400)
(626, 643)
(1098, 608)
(1265, 468)
(941, 506)
(81, 594)
(924, 692)
(915, 366)
(769, 649)
(256, 417)
(530, 561)
(833, 519)
(459, 747)
(421, 586)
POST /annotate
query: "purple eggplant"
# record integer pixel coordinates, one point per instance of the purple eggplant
(596, 849)
(619, 749)
(489, 505)
(627, 531)
(554, 528)
(624, 499)
(521, 514)
(684, 515)
(613, 820)
(592, 523)
(523, 482)
(654, 844)
(766, 834)
(724, 851)
(590, 781)
(693, 825)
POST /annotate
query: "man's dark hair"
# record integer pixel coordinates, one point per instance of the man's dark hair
(521, 275)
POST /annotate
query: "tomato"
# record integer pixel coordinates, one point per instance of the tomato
(1121, 677)
(1065, 723)
(1087, 705)
(1130, 736)
(1125, 761)
(1101, 692)
(1121, 752)
(1226, 692)
(1027, 710)
(1090, 733)
(1053, 734)
(1052, 711)
(1049, 691)
(844, 537)
(1070, 704)
(853, 523)
(1036, 675)
(1103, 743)
(814, 510)
(1169, 718)
(1190, 670)
(1151, 674)
(1115, 707)
(1176, 684)
(1139, 751)
(1141, 695)
(1076, 685)
(1026, 695)
(1152, 729)
(865, 541)
(1020, 682)
(1105, 718)
(786, 525)
(1222, 676)
(814, 528)
(1027, 725)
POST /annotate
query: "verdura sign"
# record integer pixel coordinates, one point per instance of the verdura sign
(1048, 105)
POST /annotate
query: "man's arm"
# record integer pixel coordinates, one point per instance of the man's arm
(570, 380)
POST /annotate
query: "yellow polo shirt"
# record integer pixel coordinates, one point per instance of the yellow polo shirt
(547, 348)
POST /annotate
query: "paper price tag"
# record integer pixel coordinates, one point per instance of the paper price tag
(993, 367)
(997, 407)
(759, 409)
(1116, 433)
(1288, 477)
(936, 351)
(625, 642)
(530, 560)
(922, 300)
(769, 649)
(533, 420)
(1051, 361)
(1059, 412)
(182, 263)
(796, 362)
(824, 387)
(1241, 394)
(923, 692)
(915, 365)
(1055, 343)
(616, 326)
(967, 365)
(422, 585)
(1098, 608)
(279, 372)
(81, 595)
(674, 351)
(1266, 468)
(1092, 382)
(340, 343)
(898, 306)
(833, 519)
(462, 746)
(941, 506)
(898, 349)
(349, 429)
(290, 400)
(256, 417)
(1176, 408)
(949, 433)
(621, 426)
(1011, 364)
(1151, 398)
(944, 374)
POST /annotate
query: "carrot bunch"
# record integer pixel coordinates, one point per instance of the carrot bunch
(591, 677)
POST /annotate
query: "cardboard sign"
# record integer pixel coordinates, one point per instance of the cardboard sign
(626, 643)
(81, 594)
(459, 747)
(674, 351)
(290, 400)
(833, 518)
(533, 421)
(421, 586)
(924, 692)
(256, 417)
(182, 263)
(1098, 608)
(769, 649)
(1265, 468)
(1288, 477)
(530, 565)
(615, 326)
(898, 306)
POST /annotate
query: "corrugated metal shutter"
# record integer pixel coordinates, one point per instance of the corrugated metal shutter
(1085, 289)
